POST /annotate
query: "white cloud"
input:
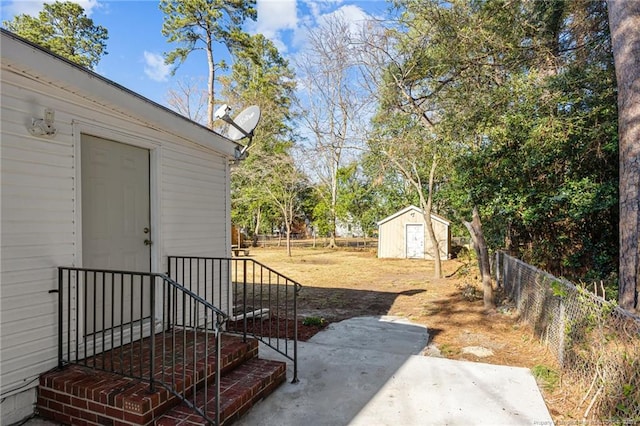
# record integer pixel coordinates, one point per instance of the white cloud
(89, 6)
(323, 12)
(274, 18)
(33, 7)
(286, 22)
(155, 68)
(320, 7)
(11, 9)
(354, 15)
(276, 15)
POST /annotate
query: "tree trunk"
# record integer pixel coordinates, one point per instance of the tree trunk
(435, 245)
(288, 239)
(624, 23)
(332, 241)
(256, 229)
(426, 208)
(288, 217)
(211, 82)
(334, 203)
(480, 245)
(332, 233)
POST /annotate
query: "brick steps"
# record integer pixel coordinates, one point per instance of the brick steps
(239, 390)
(78, 395)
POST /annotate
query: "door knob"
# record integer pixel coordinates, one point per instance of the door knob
(148, 242)
(146, 230)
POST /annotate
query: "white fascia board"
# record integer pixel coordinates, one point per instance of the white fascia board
(32, 61)
(399, 213)
(417, 210)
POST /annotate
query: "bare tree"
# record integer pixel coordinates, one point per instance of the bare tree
(409, 154)
(408, 119)
(332, 106)
(284, 183)
(189, 99)
(624, 22)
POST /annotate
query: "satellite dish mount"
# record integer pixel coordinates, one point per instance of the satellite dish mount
(241, 127)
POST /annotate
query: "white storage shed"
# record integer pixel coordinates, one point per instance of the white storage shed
(92, 175)
(404, 235)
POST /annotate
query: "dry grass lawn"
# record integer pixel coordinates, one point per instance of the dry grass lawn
(341, 284)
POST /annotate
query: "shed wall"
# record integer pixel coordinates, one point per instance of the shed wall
(40, 227)
(392, 236)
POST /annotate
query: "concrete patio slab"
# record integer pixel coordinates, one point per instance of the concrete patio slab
(368, 371)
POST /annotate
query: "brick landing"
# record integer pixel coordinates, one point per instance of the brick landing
(78, 395)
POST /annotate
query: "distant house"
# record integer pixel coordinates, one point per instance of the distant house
(404, 235)
(348, 228)
(94, 176)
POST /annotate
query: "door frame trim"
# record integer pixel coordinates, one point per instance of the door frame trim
(155, 171)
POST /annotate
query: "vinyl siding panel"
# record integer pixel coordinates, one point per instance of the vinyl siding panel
(38, 235)
(194, 199)
(195, 216)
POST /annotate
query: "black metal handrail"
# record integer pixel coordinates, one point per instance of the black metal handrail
(261, 302)
(141, 325)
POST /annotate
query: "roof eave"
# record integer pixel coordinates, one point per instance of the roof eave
(409, 208)
(29, 58)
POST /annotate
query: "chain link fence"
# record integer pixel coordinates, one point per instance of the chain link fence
(596, 342)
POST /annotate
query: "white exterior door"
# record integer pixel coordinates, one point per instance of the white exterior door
(415, 241)
(115, 225)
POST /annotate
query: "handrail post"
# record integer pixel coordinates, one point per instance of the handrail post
(244, 299)
(60, 309)
(295, 333)
(218, 358)
(152, 334)
(168, 296)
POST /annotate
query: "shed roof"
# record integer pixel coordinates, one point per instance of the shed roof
(24, 57)
(417, 210)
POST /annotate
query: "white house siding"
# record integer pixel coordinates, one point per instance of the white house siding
(40, 221)
(195, 214)
(392, 234)
(194, 187)
(37, 235)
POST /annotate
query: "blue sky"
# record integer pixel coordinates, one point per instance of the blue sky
(136, 44)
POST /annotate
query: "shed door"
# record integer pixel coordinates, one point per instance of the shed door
(415, 241)
(115, 225)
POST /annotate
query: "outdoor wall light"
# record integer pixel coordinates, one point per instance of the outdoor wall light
(43, 126)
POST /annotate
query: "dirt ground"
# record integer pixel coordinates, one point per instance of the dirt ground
(340, 284)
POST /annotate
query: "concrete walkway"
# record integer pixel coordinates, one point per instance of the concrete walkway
(368, 371)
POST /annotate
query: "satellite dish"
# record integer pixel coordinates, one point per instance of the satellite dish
(242, 126)
(245, 123)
